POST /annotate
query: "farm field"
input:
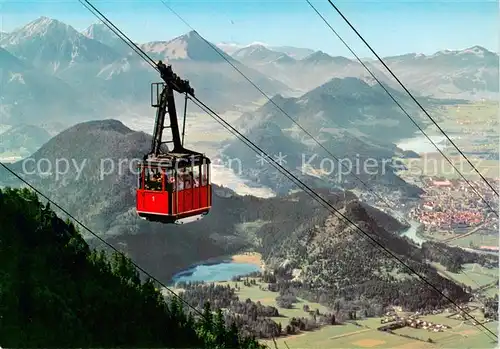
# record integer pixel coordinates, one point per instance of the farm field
(348, 336)
(461, 336)
(351, 336)
(434, 164)
(477, 239)
(473, 275)
(474, 129)
(470, 118)
(268, 298)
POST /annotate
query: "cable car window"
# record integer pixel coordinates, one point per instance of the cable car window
(140, 177)
(204, 174)
(153, 179)
(196, 176)
(165, 173)
(184, 178)
(168, 175)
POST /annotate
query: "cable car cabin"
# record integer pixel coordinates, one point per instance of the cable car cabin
(174, 191)
(174, 185)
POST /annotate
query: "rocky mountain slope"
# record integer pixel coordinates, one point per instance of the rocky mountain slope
(353, 120)
(336, 264)
(55, 46)
(31, 96)
(101, 33)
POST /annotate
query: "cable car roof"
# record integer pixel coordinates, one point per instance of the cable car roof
(176, 159)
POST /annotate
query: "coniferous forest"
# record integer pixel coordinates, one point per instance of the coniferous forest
(57, 292)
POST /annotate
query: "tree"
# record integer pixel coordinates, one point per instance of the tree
(219, 330)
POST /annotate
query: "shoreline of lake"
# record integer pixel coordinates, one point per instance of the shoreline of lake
(421, 145)
(243, 257)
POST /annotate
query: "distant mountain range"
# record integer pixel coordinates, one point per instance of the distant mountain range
(471, 73)
(22, 140)
(53, 72)
(294, 52)
(106, 77)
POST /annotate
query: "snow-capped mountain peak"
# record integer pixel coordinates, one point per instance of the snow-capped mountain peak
(97, 30)
(476, 50)
(188, 46)
(100, 32)
(231, 47)
(251, 50)
(40, 27)
(261, 54)
(47, 42)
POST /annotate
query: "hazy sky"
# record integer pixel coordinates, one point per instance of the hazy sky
(391, 27)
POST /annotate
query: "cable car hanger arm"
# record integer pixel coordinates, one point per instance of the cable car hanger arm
(166, 104)
(173, 81)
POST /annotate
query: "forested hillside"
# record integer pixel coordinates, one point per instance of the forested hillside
(334, 264)
(56, 291)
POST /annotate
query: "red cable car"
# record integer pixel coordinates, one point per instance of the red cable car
(173, 186)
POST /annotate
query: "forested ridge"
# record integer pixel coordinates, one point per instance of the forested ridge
(337, 264)
(57, 292)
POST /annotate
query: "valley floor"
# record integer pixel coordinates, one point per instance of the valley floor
(365, 334)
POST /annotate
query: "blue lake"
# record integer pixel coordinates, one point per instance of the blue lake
(215, 272)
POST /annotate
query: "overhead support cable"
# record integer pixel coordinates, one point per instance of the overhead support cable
(403, 109)
(335, 211)
(406, 90)
(216, 50)
(296, 180)
(342, 163)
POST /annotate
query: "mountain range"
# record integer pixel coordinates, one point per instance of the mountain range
(294, 52)
(51, 70)
(107, 78)
(56, 76)
(281, 228)
(471, 73)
